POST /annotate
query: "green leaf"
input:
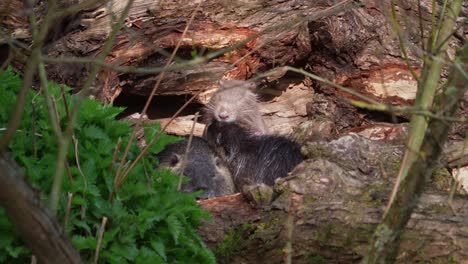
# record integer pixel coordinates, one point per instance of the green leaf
(146, 255)
(175, 227)
(94, 132)
(81, 242)
(158, 246)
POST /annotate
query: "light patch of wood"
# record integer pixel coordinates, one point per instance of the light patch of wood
(383, 131)
(461, 176)
(181, 126)
(392, 83)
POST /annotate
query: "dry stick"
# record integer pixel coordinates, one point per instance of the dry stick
(289, 231)
(397, 29)
(50, 100)
(421, 27)
(65, 102)
(116, 151)
(33, 129)
(184, 158)
(153, 92)
(77, 157)
(155, 88)
(99, 242)
(56, 114)
(156, 137)
(67, 212)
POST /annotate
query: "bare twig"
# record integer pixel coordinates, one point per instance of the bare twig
(99, 242)
(116, 152)
(187, 150)
(67, 212)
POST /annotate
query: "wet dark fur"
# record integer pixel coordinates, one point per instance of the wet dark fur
(253, 159)
(205, 169)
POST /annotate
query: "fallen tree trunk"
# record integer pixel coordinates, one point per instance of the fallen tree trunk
(334, 40)
(337, 197)
(34, 222)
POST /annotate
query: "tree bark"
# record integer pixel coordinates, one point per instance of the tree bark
(35, 224)
(349, 44)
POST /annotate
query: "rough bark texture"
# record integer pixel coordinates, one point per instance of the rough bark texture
(338, 196)
(33, 221)
(346, 42)
(350, 44)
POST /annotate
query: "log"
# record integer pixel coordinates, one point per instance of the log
(347, 43)
(337, 197)
(33, 221)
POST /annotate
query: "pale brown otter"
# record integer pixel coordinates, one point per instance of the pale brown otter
(235, 102)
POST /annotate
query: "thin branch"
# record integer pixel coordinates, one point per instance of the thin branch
(397, 29)
(99, 242)
(67, 211)
(187, 150)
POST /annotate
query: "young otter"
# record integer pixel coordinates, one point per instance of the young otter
(235, 102)
(253, 159)
(205, 169)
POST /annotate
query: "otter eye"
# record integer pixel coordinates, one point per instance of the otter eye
(174, 160)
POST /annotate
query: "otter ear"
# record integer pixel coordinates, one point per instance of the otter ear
(174, 160)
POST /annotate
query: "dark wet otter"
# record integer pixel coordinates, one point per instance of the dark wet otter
(206, 170)
(253, 159)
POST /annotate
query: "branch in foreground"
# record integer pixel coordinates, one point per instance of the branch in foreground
(39, 229)
(385, 243)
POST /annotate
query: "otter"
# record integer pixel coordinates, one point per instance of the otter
(234, 102)
(253, 159)
(203, 167)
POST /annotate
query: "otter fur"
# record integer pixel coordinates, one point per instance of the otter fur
(203, 167)
(234, 102)
(253, 159)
